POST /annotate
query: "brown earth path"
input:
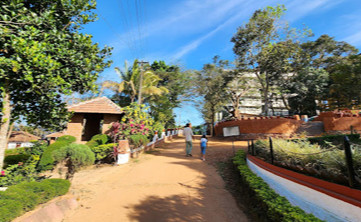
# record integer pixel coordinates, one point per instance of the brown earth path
(162, 186)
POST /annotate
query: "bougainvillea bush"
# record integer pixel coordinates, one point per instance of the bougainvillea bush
(136, 123)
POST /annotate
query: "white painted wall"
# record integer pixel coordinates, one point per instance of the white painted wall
(311, 201)
(12, 145)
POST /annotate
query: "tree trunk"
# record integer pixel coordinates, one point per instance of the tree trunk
(266, 102)
(212, 123)
(11, 127)
(5, 122)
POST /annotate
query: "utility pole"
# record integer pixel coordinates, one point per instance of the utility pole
(141, 63)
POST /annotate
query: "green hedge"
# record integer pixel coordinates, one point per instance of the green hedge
(102, 152)
(25, 196)
(334, 139)
(19, 150)
(47, 161)
(99, 139)
(67, 138)
(276, 207)
(15, 159)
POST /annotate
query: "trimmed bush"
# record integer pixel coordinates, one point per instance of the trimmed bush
(25, 196)
(74, 156)
(15, 159)
(9, 209)
(15, 151)
(44, 191)
(61, 186)
(276, 207)
(99, 139)
(47, 161)
(138, 140)
(67, 138)
(103, 151)
(29, 199)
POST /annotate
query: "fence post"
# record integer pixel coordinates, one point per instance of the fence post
(351, 129)
(249, 147)
(349, 162)
(252, 144)
(271, 149)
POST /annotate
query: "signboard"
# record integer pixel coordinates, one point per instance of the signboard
(231, 131)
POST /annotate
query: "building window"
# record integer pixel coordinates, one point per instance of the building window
(18, 145)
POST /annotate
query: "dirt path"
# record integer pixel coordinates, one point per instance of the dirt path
(162, 186)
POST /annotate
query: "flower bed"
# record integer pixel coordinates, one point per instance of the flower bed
(276, 207)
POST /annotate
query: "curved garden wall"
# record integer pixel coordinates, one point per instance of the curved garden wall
(270, 125)
(325, 200)
(340, 122)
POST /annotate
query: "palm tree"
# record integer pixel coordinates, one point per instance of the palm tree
(130, 79)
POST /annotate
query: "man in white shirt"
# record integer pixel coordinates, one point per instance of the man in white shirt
(188, 133)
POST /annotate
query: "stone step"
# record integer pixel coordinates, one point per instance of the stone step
(313, 128)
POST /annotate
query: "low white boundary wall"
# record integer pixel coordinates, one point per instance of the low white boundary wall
(319, 204)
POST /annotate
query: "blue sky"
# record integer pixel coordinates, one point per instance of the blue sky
(190, 32)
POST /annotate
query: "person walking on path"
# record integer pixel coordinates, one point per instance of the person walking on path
(188, 133)
(203, 147)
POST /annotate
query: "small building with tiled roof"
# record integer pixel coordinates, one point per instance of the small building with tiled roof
(21, 139)
(90, 117)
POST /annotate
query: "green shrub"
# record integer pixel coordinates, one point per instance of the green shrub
(44, 191)
(61, 186)
(15, 159)
(47, 162)
(67, 138)
(103, 151)
(15, 151)
(17, 173)
(25, 196)
(276, 207)
(75, 156)
(99, 139)
(138, 140)
(29, 199)
(9, 209)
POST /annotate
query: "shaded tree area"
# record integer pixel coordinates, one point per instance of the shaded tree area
(44, 56)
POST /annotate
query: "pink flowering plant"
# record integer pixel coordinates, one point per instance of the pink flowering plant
(135, 125)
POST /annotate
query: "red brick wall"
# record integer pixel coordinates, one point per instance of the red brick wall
(75, 126)
(341, 123)
(335, 122)
(108, 120)
(261, 126)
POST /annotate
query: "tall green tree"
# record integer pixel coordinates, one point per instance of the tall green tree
(44, 56)
(210, 85)
(178, 84)
(345, 84)
(266, 47)
(129, 86)
(314, 76)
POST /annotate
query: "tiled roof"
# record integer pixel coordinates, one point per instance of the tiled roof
(97, 105)
(57, 134)
(21, 136)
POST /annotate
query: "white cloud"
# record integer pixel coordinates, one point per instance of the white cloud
(194, 44)
(299, 9)
(353, 39)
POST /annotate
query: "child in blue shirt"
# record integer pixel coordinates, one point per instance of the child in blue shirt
(203, 147)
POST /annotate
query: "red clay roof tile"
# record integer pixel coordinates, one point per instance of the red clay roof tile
(97, 105)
